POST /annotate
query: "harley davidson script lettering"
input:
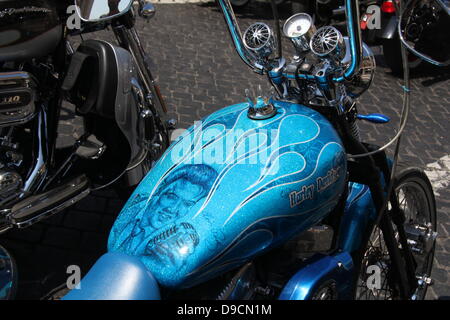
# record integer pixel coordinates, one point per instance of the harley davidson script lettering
(13, 11)
(307, 192)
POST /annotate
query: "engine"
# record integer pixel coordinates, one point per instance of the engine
(17, 107)
(16, 98)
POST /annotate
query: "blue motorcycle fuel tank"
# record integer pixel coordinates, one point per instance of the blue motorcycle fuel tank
(231, 188)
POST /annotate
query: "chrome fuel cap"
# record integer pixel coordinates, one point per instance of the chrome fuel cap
(260, 108)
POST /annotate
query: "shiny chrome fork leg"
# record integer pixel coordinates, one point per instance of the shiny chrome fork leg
(129, 39)
(398, 264)
(398, 218)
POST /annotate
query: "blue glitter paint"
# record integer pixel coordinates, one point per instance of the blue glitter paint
(224, 192)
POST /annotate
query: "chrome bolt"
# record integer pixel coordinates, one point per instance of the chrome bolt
(171, 124)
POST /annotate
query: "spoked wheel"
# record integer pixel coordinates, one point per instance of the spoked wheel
(416, 199)
(376, 262)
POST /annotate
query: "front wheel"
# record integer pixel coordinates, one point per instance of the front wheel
(416, 199)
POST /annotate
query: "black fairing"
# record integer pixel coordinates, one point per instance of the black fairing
(28, 29)
(99, 83)
(92, 78)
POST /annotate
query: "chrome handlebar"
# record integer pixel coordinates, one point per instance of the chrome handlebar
(352, 13)
(246, 55)
(354, 33)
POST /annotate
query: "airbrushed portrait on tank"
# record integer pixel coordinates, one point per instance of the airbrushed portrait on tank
(160, 230)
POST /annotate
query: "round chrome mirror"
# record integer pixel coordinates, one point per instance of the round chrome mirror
(362, 79)
(423, 29)
(300, 29)
(101, 10)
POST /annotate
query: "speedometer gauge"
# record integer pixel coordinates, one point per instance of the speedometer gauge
(299, 28)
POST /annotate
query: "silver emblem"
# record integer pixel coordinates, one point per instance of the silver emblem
(10, 100)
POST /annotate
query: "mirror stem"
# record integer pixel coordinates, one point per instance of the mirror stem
(277, 28)
(354, 34)
(248, 57)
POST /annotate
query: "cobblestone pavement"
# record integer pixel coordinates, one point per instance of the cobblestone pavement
(199, 72)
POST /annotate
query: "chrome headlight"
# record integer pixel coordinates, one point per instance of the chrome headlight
(362, 80)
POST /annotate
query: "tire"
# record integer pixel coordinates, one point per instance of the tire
(393, 56)
(414, 192)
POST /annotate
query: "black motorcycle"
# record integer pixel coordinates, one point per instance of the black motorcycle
(111, 87)
(424, 28)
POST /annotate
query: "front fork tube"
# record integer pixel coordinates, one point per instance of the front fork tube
(129, 39)
(398, 263)
(407, 281)
(398, 218)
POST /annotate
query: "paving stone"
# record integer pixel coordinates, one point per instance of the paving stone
(92, 204)
(82, 220)
(62, 237)
(93, 242)
(33, 234)
(114, 206)
(106, 223)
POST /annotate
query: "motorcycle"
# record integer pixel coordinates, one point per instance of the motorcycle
(423, 28)
(277, 197)
(111, 86)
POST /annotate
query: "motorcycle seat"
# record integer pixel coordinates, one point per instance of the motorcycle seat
(116, 276)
